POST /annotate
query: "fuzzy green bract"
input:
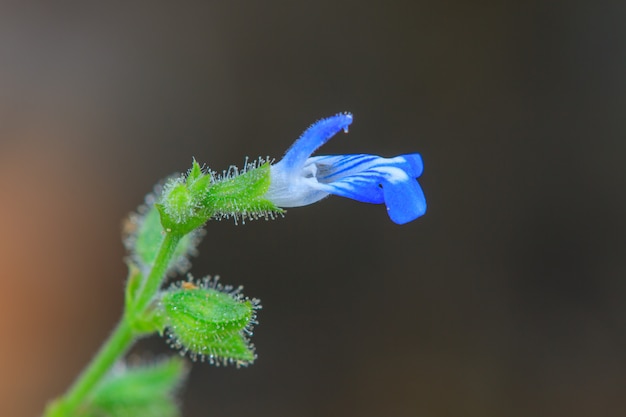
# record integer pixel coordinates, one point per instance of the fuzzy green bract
(209, 323)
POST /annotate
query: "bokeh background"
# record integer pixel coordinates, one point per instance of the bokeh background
(507, 299)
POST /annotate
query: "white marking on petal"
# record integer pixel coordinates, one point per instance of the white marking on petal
(392, 174)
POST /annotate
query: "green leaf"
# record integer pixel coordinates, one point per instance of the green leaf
(146, 391)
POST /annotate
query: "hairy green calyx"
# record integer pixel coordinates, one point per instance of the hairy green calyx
(209, 322)
(190, 201)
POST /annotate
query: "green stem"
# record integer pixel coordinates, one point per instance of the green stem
(157, 274)
(117, 344)
(120, 340)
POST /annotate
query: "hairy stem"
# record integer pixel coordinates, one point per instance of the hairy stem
(120, 340)
(118, 343)
(152, 284)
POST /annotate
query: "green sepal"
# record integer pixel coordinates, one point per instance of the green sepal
(194, 173)
(197, 181)
(213, 310)
(220, 348)
(146, 391)
(209, 322)
(242, 194)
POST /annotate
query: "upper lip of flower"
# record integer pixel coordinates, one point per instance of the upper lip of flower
(299, 179)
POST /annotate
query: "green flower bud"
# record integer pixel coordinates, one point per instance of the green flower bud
(210, 322)
(182, 206)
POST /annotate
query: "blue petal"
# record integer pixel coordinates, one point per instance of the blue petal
(315, 136)
(373, 179)
(405, 201)
(414, 165)
(364, 188)
(331, 168)
(299, 179)
(334, 167)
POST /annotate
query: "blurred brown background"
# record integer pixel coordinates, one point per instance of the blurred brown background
(507, 299)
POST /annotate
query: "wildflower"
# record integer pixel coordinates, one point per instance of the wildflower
(299, 179)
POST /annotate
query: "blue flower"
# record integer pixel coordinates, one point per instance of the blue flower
(299, 179)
